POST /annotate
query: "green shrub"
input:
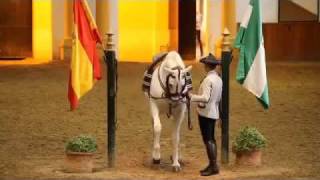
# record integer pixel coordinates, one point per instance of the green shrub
(82, 143)
(249, 139)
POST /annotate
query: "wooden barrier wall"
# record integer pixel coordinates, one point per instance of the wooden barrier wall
(292, 41)
(15, 28)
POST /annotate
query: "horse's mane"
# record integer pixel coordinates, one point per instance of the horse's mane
(173, 60)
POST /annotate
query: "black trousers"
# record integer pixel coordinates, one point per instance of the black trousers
(199, 41)
(207, 126)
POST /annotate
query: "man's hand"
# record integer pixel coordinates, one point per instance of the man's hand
(189, 94)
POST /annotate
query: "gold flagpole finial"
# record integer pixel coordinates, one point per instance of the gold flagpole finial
(110, 44)
(226, 44)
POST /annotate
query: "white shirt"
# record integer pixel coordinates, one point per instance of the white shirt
(209, 96)
(198, 22)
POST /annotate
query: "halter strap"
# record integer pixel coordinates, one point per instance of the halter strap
(159, 78)
(165, 88)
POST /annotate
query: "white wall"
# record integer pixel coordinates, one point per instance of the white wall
(269, 10)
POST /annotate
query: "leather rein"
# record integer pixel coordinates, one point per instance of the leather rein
(177, 96)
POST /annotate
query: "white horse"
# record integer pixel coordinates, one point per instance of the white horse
(169, 88)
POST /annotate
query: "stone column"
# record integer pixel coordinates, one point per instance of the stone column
(107, 19)
(65, 50)
(68, 20)
(92, 4)
(174, 24)
(102, 16)
(214, 23)
(230, 16)
(66, 47)
(57, 28)
(42, 30)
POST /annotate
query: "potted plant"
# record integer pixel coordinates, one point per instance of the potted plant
(79, 154)
(248, 145)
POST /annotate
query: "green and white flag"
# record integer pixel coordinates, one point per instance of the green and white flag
(251, 72)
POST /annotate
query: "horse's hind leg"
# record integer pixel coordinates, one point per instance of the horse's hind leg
(156, 132)
(178, 116)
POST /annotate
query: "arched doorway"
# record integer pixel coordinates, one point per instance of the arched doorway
(187, 29)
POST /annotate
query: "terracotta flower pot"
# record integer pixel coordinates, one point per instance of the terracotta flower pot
(249, 158)
(76, 162)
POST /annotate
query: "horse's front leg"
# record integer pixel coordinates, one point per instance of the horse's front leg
(179, 117)
(156, 131)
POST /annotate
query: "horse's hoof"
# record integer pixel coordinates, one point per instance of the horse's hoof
(156, 161)
(176, 168)
(181, 162)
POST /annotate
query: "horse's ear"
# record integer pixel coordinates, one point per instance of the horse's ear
(188, 69)
(169, 70)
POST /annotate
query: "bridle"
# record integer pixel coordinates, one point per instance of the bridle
(177, 96)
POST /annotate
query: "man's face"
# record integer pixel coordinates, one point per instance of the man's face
(207, 68)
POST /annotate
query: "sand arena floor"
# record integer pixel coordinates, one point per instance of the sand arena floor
(35, 123)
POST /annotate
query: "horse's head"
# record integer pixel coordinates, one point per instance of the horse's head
(176, 80)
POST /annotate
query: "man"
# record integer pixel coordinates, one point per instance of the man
(198, 30)
(208, 101)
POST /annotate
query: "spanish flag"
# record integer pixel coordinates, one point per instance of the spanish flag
(85, 65)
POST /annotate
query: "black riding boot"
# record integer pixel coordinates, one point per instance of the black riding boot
(213, 168)
(206, 168)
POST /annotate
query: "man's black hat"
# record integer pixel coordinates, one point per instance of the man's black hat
(210, 60)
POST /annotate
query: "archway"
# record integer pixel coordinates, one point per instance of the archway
(187, 29)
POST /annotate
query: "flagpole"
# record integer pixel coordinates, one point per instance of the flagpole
(226, 60)
(111, 71)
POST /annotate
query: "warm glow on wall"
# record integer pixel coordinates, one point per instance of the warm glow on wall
(42, 30)
(204, 27)
(143, 29)
(162, 26)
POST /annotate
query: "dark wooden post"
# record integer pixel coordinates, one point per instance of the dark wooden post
(111, 71)
(226, 60)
